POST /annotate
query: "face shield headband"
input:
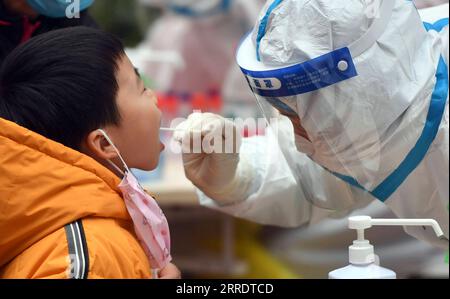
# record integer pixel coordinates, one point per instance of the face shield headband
(317, 73)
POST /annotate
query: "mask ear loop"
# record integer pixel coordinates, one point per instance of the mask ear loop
(127, 170)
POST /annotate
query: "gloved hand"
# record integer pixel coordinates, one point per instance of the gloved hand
(211, 161)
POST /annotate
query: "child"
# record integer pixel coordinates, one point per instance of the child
(74, 115)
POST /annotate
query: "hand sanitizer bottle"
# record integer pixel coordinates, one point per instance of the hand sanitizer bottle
(363, 261)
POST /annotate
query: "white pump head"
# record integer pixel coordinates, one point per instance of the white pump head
(362, 252)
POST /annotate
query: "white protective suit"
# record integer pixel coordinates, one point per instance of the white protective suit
(273, 183)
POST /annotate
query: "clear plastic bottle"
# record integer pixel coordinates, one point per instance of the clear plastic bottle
(368, 271)
(364, 264)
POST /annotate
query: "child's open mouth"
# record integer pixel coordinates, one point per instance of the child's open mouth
(162, 146)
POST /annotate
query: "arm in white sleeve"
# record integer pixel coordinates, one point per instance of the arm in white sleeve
(445, 40)
(274, 196)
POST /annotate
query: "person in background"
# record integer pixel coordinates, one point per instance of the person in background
(205, 35)
(20, 20)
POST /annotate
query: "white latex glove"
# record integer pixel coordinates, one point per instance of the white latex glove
(216, 172)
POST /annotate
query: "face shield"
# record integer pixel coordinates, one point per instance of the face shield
(345, 74)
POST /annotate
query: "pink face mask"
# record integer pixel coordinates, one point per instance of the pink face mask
(150, 224)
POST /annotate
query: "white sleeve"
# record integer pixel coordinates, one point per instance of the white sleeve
(276, 197)
(434, 14)
(445, 37)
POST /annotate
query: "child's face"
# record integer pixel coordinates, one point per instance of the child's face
(137, 135)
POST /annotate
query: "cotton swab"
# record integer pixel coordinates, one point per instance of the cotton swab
(178, 130)
(169, 129)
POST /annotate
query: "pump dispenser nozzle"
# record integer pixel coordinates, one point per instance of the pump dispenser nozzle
(361, 252)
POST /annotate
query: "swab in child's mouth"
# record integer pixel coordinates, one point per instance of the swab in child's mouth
(170, 129)
(177, 130)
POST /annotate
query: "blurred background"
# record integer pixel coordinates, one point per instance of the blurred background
(185, 52)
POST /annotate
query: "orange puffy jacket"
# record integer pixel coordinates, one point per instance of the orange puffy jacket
(61, 213)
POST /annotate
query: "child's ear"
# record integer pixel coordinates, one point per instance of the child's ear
(97, 144)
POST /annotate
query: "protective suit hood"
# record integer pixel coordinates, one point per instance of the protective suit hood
(365, 71)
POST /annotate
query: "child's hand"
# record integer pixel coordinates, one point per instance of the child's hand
(170, 272)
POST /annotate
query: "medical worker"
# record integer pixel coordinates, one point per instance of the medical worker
(356, 94)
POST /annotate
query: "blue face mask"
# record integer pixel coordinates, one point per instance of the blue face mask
(59, 8)
(189, 11)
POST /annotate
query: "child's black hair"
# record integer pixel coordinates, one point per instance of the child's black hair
(62, 84)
